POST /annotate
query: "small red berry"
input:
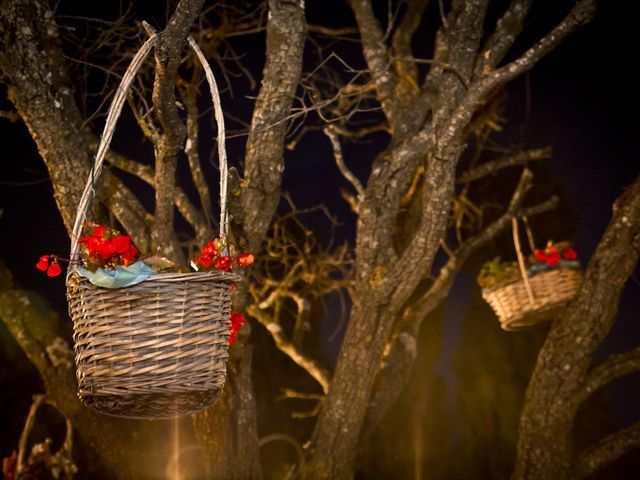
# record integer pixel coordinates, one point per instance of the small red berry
(54, 269)
(245, 259)
(223, 263)
(43, 264)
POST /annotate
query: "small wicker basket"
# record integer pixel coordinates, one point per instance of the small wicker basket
(551, 289)
(157, 349)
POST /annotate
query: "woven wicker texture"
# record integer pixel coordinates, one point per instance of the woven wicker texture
(142, 351)
(157, 349)
(551, 289)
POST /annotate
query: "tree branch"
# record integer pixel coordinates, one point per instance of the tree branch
(190, 97)
(168, 52)
(377, 57)
(33, 66)
(346, 173)
(612, 368)
(544, 440)
(507, 30)
(311, 366)
(607, 450)
(581, 14)
(401, 44)
(401, 349)
(488, 168)
(186, 208)
(264, 161)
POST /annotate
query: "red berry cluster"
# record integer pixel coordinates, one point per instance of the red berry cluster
(209, 255)
(552, 254)
(237, 321)
(106, 248)
(53, 269)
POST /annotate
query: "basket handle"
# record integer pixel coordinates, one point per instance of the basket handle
(112, 117)
(523, 269)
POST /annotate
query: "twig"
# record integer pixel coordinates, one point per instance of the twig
(581, 14)
(337, 154)
(26, 430)
(615, 366)
(312, 367)
(493, 167)
(607, 450)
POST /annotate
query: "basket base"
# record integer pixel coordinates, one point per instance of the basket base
(532, 319)
(151, 406)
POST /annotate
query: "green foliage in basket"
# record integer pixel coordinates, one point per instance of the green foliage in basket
(498, 272)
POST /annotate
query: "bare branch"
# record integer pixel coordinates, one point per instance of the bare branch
(264, 162)
(507, 30)
(377, 56)
(181, 201)
(564, 361)
(607, 450)
(127, 209)
(401, 43)
(312, 367)
(190, 97)
(493, 167)
(614, 367)
(24, 436)
(331, 32)
(337, 154)
(581, 14)
(401, 346)
(168, 55)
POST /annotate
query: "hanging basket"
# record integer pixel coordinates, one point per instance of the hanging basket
(551, 289)
(534, 298)
(157, 349)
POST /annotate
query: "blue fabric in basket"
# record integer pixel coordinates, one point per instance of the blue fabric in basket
(119, 277)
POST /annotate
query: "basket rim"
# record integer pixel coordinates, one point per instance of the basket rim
(181, 277)
(536, 274)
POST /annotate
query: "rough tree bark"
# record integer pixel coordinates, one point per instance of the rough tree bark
(564, 375)
(34, 70)
(260, 195)
(386, 278)
(427, 126)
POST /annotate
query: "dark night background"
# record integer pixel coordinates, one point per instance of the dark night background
(582, 103)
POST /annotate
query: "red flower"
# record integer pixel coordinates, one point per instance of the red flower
(43, 264)
(209, 249)
(540, 255)
(553, 259)
(245, 259)
(54, 269)
(90, 245)
(204, 261)
(129, 256)
(105, 249)
(121, 243)
(569, 254)
(223, 263)
(237, 321)
(98, 231)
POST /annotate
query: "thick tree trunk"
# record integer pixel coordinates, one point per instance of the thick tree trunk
(34, 69)
(264, 159)
(555, 391)
(234, 456)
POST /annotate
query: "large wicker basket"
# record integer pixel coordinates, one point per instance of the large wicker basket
(551, 289)
(157, 349)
